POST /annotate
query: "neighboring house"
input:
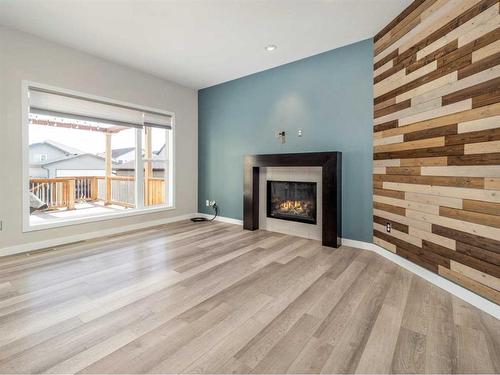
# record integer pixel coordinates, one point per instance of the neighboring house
(159, 158)
(51, 159)
(122, 155)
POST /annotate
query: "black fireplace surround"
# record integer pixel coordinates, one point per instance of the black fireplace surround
(331, 188)
(292, 200)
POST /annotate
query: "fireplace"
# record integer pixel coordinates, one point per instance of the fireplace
(291, 200)
(331, 189)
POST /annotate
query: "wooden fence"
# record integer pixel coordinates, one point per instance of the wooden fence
(63, 192)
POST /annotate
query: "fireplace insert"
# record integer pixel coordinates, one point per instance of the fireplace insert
(291, 200)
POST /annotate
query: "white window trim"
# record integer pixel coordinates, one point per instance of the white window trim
(140, 210)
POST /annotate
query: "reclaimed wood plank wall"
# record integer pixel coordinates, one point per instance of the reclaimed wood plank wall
(437, 140)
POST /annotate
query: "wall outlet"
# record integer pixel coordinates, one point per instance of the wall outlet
(210, 203)
(388, 227)
(207, 203)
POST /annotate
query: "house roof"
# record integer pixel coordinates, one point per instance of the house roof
(64, 148)
(116, 153)
(158, 165)
(64, 158)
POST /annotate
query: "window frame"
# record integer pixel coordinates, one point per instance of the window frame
(140, 209)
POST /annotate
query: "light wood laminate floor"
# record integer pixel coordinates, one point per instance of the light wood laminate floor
(212, 298)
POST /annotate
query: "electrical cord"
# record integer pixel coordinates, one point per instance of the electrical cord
(200, 219)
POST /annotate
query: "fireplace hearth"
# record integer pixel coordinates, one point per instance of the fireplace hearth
(293, 201)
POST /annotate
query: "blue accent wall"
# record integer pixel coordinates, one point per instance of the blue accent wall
(329, 96)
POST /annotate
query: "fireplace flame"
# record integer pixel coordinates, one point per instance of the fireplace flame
(291, 205)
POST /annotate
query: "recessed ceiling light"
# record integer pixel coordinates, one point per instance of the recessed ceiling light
(271, 47)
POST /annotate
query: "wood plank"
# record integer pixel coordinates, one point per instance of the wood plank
(386, 126)
(408, 171)
(473, 68)
(470, 284)
(478, 253)
(489, 244)
(408, 110)
(476, 159)
(404, 220)
(428, 87)
(482, 207)
(437, 160)
(487, 135)
(456, 85)
(407, 204)
(471, 92)
(437, 112)
(461, 258)
(479, 124)
(389, 140)
(405, 13)
(391, 109)
(447, 15)
(485, 26)
(448, 192)
(385, 104)
(481, 277)
(398, 226)
(465, 27)
(486, 51)
(431, 237)
(389, 208)
(430, 133)
(402, 27)
(386, 163)
(429, 152)
(465, 226)
(466, 171)
(462, 182)
(409, 353)
(386, 245)
(450, 18)
(473, 114)
(428, 73)
(390, 193)
(404, 239)
(383, 68)
(435, 55)
(492, 183)
(482, 148)
(434, 200)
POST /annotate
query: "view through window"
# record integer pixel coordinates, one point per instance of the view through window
(88, 158)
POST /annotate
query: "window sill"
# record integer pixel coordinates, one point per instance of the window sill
(90, 219)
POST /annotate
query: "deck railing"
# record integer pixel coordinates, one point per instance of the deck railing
(63, 192)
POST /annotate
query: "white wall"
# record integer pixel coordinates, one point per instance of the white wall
(26, 57)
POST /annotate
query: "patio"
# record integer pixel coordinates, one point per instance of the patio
(84, 209)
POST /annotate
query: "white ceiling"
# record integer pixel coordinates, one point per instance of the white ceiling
(200, 43)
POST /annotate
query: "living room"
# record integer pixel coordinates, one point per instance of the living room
(250, 186)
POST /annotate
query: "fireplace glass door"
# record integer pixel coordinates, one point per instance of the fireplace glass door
(291, 200)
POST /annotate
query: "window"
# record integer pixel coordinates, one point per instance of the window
(92, 158)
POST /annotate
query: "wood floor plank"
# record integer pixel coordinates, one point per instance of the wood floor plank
(212, 298)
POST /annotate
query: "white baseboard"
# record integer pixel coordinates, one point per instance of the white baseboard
(223, 219)
(468, 296)
(17, 249)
